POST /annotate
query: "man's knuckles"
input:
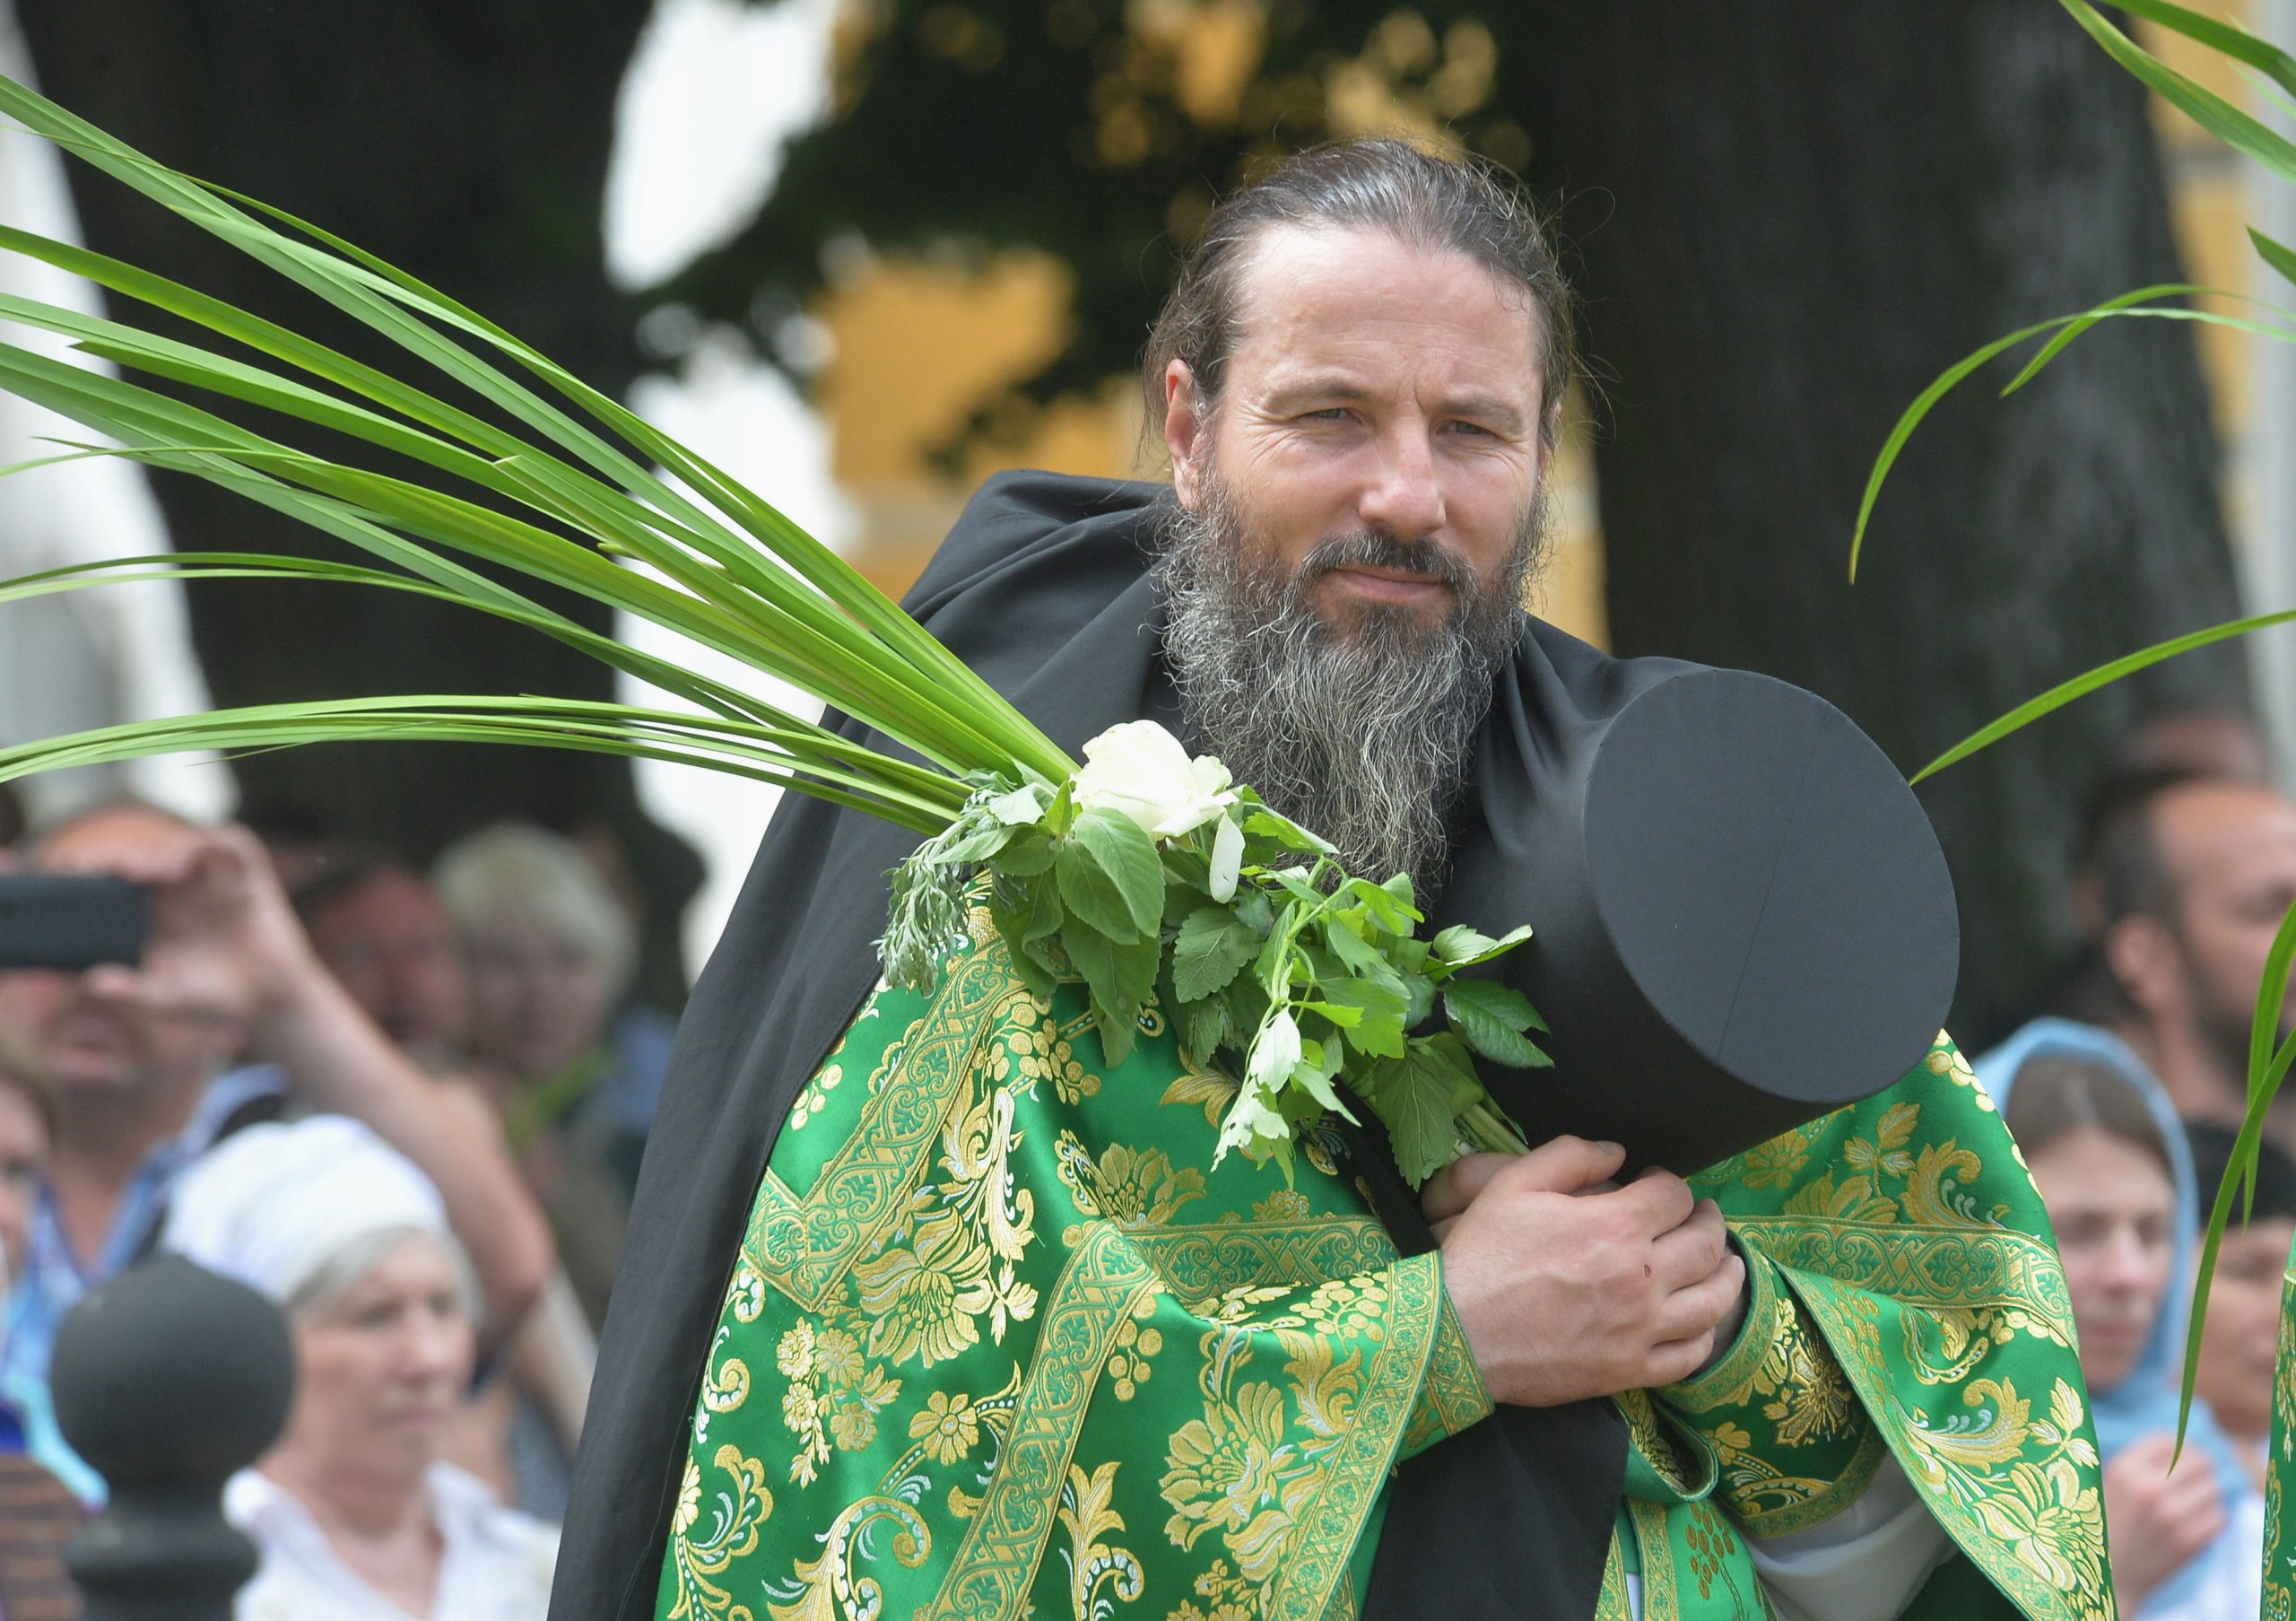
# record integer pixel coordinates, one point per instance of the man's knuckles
(1562, 1164)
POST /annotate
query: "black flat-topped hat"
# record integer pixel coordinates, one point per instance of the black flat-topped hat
(1742, 919)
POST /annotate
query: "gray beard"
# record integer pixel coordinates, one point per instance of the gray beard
(1364, 734)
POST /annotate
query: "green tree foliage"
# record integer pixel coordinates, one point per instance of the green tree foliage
(1091, 130)
(1784, 229)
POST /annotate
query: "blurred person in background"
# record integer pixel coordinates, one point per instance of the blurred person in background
(2188, 878)
(2241, 1330)
(2194, 740)
(11, 824)
(301, 843)
(38, 1510)
(2109, 1161)
(550, 952)
(355, 1513)
(146, 1063)
(381, 929)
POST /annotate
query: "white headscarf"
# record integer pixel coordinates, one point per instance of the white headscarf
(274, 1205)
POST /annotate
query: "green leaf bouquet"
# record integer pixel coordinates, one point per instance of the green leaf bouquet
(1147, 874)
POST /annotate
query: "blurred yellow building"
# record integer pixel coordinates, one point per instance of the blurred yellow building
(2212, 201)
(917, 345)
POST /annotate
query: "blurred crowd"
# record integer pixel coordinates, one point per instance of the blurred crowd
(408, 1103)
(2125, 1095)
(405, 1102)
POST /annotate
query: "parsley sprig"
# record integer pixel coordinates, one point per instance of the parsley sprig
(1302, 983)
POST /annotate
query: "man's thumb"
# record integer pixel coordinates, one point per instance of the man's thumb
(1565, 1164)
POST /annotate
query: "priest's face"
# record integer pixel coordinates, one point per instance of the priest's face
(1358, 514)
(1377, 435)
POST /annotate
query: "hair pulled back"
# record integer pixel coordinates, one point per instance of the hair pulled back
(1463, 205)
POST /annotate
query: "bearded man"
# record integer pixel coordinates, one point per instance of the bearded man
(929, 1310)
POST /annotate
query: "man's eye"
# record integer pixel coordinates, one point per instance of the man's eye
(1473, 430)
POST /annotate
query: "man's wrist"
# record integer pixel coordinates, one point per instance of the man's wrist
(283, 979)
(289, 983)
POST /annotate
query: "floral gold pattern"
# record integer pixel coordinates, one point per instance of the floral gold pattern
(1029, 1351)
(2280, 1465)
(1008, 1268)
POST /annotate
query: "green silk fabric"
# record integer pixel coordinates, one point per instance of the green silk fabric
(2280, 1464)
(1002, 1341)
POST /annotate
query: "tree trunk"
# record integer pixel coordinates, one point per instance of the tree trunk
(1789, 226)
(466, 141)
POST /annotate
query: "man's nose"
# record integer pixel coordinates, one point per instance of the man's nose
(1404, 497)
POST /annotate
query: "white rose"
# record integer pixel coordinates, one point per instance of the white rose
(1140, 770)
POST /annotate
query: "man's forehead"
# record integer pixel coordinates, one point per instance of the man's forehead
(2224, 826)
(1306, 292)
(108, 830)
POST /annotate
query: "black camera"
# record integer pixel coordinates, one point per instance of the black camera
(48, 920)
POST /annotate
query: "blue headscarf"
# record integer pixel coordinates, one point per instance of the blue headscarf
(2146, 1402)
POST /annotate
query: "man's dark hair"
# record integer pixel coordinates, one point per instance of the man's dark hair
(2119, 854)
(2212, 1153)
(2118, 871)
(347, 871)
(1462, 205)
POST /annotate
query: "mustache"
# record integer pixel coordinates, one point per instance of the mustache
(1370, 549)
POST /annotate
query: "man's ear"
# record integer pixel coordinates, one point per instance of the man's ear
(1184, 429)
(2144, 959)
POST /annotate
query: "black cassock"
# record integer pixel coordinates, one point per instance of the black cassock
(1043, 587)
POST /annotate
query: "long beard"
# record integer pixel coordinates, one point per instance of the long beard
(1364, 732)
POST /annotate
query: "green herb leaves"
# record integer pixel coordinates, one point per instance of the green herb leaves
(1495, 1019)
(1109, 876)
(1211, 949)
(1269, 961)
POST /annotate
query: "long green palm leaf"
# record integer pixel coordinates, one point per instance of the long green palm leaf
(2104, 675)
(782, 755)
(411, 314)
(603, 512)
(765, 558)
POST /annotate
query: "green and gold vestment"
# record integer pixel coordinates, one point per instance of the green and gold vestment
(2280, 1465)
(1001, 1342)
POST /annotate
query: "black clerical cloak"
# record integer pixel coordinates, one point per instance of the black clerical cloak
(1043, 587)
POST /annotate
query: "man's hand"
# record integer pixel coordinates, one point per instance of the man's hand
(224, 939)
(1569, 1287)
(2159, 1520)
